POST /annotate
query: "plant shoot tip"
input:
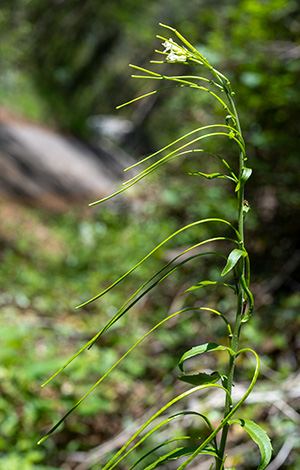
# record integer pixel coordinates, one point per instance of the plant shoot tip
(165, 26)
(42, 440)
(96, 202)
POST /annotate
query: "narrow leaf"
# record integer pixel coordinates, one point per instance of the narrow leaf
(201, 378)
(193, 224)
(208, 283)
(260, 437)
(115, 459)
(142, 290)
(180, 452)
(172, 455)
(232, 259)
(203, 348)
(178, 438)
(148, 94)
(203, 128)
(160, 446)
(209, 176)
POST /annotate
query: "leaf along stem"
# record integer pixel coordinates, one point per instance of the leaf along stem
(188, 309)
(193, 224)
(142, 290)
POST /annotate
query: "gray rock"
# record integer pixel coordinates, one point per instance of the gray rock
(47, 168)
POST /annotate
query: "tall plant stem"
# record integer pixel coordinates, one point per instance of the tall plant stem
(234, 340)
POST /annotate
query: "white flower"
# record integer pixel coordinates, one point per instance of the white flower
(172, 57)
(170, 45)
(175, 52)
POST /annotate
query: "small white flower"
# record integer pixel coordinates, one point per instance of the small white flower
(170, 45)
(175, 52)
(172, 57)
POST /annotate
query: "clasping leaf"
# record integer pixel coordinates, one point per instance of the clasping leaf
(260, 437)
(207, 347)
(246, 173)
(232, 259)
(201, 378)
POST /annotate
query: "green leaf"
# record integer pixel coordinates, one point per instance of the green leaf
(260, 437)
(180, 452)
(201, 378)
(208, 283)
(203, 348)
(246, 173)
(232, 259)
(209, 176)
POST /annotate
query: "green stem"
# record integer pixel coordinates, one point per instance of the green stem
(234, 345)
(234, 340)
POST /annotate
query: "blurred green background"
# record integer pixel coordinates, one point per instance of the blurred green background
(65, 61)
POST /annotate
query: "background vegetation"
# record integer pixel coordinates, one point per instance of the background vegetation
(64, 63)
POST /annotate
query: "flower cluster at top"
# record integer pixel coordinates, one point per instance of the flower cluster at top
(175, 52)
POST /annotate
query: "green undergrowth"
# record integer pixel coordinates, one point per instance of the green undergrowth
(44, 275)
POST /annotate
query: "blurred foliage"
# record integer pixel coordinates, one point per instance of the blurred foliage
(68, 61)
(40, 328)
